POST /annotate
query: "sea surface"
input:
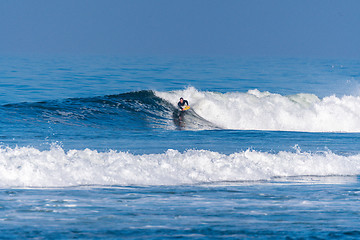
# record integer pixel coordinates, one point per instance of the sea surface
(94, 147)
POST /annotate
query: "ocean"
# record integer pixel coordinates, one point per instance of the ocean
(94, 147)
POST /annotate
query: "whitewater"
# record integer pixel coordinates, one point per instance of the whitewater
(29, 167)
(256, 110)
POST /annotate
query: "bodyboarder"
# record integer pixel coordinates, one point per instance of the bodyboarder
(181, 103)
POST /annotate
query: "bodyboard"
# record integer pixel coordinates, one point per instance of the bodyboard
(186, 108)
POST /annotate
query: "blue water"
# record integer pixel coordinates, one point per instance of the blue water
(94, 147)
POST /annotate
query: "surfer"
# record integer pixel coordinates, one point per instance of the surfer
(179, 115)
(182, 103)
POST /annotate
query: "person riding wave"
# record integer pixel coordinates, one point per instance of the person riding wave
(182, 103)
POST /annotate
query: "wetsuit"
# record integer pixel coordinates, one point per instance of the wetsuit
(181, 106)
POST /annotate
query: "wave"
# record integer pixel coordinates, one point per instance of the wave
(144, 110)
(30, 167)
(125, 110)
(128, 111)
(255, 110)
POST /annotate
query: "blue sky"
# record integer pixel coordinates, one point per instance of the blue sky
(291, 28)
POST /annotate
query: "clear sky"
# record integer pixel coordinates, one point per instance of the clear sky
(291, 28)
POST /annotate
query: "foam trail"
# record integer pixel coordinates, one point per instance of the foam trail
(255, 110)
(30, 167)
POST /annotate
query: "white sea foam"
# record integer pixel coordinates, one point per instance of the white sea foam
(255, 110)
(30, 167)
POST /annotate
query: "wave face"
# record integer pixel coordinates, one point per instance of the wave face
(255, 110)
(129, 111)
(30, 167)
(140, 110)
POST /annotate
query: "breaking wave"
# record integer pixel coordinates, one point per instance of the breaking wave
(143, 110)
(255, 110)
(30, 167)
